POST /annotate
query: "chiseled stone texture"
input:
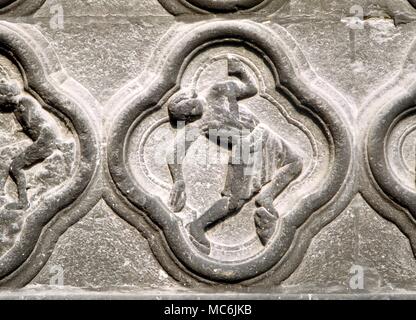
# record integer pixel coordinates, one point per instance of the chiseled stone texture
(357, 237)
(115, 57)
(103, 251)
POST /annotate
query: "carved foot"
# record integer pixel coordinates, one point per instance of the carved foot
(18, 206)
(266, 202)
(198, 238)
(265, 225)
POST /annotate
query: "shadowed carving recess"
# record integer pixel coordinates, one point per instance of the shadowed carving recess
(230, 221)
(178, 7)
(20, 7)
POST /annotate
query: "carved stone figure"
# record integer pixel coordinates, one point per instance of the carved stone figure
(285, 150)
(262, 146)
(217, 110)
(48, 150)
(37, 126)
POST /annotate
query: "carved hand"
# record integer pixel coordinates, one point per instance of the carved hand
(178, 196)
(234, 65)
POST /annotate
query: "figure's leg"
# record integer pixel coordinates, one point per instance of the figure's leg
(231, 202)
(266, 215)
(34, 154)
(220, 210)
(197, 228)
(18, 175)
(279, 183)
(4, 174)
(5, 154)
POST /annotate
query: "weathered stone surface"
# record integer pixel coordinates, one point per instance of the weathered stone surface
(350, 241)
(102, 251)
(101, 193)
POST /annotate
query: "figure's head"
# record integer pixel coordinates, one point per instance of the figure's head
(9, 92)
(185, 107)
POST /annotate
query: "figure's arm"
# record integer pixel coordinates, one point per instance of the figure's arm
(23, 112)
(246, 87)
(183, 141)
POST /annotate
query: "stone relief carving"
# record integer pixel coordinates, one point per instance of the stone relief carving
(20, 7)
(389, 148)
(220, 115)
(48, 153)
(43, 133)
(178, 7)
(230, 151)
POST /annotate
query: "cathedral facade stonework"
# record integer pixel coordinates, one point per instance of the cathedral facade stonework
(191, 145)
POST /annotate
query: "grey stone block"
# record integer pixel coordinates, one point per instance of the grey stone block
(155, 148)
